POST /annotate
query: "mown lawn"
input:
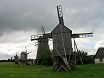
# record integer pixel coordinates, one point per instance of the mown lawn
(10, 70)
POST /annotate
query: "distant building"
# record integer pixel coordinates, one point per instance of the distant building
(23, 56)
(16, 60)
(99, 56)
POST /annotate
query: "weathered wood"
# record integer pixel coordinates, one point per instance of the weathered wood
(62, 48)
(62, 40)
(60, 65)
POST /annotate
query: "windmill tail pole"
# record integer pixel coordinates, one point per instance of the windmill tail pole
(75, 50)
(63, 45)
(64, 60)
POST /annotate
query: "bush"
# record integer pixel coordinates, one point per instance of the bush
(44, 58)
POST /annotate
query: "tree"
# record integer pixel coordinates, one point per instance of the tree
(85, 58)
(44, 58)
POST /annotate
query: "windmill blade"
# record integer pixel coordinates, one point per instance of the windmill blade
(60, 14)
(40, 36)
(35, 37)
(82, 35)
(42, 29)
(25, 49)
(29, 52)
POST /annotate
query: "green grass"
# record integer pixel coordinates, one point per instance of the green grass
(10, 70)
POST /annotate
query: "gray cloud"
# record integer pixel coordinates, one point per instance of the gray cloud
(24, 15)
(21, 18)
(28, 15)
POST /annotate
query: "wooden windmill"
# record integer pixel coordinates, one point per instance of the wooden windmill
(42, 45)
(62, 44)
(23, 57)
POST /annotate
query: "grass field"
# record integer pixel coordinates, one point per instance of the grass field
(10, 70)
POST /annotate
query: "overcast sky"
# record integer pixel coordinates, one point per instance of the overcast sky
(21, 18)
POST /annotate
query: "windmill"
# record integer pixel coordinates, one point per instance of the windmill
(23, 57)
(16, 59)
(42, 45)
(62, 45)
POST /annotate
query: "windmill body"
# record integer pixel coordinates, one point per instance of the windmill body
(62, 45)
(42, 49)
(23, 56)
(62, 40)
(16, 59)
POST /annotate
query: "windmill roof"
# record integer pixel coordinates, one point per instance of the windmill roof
(100, 53)
(23, 52)
(61, 28)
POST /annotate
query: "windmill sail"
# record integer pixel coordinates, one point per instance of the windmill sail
(82, 35)
(60, 14)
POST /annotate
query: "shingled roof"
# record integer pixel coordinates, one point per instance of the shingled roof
(99, 53)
